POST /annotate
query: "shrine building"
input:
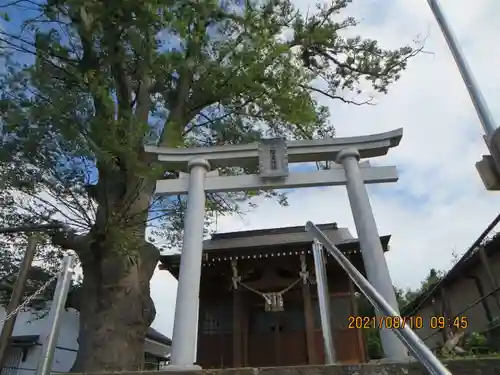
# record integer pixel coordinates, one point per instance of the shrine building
(258, 299)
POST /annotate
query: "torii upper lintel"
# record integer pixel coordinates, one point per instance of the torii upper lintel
(302, 151)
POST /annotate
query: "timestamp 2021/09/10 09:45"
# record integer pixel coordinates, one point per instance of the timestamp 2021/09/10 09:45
(412, 322)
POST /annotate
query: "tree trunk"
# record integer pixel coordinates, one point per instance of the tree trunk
(115, 307)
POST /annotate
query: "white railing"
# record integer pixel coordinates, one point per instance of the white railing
(409, 338)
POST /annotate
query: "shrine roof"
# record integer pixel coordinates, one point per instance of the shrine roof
(273, 237)
(274, 240)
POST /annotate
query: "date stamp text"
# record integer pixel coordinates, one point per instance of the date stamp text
(381, 322)
(412, 322)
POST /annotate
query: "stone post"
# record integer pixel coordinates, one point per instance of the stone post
(371, 249)
(185, 332)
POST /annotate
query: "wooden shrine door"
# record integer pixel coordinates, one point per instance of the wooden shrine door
(277, 338)
(348, 342)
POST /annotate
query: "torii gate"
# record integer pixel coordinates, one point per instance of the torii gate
(273, 156)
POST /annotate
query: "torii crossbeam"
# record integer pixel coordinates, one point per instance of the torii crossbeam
(272, 157)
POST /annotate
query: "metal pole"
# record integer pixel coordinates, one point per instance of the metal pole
(188, 287)
(477, 98)
(324, 301)
(56, 310)
(371, 248)
(195, 359)
(16, 297)
(410, 339)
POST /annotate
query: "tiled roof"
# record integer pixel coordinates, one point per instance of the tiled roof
(154, 335)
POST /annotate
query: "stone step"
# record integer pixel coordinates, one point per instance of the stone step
(484, 366)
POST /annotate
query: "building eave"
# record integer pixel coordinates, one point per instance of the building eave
(157, 349)
(171, 262)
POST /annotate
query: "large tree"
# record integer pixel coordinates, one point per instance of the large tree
(89, 82)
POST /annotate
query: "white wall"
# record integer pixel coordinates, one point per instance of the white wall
(67, 345)
(65, 353)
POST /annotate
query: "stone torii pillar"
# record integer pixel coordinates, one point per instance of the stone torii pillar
(372, 252)
(273, 157)
(186, 306)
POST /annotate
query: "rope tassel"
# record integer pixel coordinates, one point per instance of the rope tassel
(273, 300)
(236, 279)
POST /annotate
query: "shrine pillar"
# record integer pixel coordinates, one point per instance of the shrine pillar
(185, 331)
(371, 249)
(237, 323)
(324, 302)
(308, 312)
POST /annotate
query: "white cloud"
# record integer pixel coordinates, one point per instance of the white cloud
(439, 203)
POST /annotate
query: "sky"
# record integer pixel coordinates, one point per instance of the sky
(439, 205)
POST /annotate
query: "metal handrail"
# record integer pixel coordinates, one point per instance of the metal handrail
(409, 338)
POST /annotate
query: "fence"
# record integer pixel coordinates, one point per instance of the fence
(408, 338)
(471, 281)
(12, 367)
(10, 360)
(464, 311)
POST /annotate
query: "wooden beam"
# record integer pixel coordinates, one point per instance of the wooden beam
(359, 332)
(237, 331)
(244, 328)
(333, 177)
(491, 277)
(312, 358)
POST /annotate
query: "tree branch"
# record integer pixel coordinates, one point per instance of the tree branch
(336, 97)
(68, 240)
